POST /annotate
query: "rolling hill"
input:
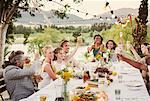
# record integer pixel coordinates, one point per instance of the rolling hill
(40, 18)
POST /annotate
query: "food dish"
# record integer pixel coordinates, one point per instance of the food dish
(86, 96)
(93, 83)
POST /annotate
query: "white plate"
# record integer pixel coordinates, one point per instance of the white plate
(134, 88)
(134, 84)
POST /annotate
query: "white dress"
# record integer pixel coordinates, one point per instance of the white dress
(59, 66)
(46, 78)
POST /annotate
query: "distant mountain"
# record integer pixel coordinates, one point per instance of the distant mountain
(45, 17)
(123, 12)
(40, 18)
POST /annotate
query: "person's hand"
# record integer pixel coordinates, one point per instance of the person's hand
(26, 60)
(118, 50)
(37, 56)
(38, 78)
(120, 56)
(88, 49)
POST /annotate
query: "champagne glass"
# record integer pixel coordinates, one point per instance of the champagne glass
(128, 45)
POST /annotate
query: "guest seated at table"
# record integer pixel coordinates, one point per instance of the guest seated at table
(145, 51)
(111, 46)
(134, 63)
(66, 48)
(48, 73)
(144, 61)
(145, 48)
(18, 80)
(59, 59)
(12, 54)
(98, 46)
(139, 65)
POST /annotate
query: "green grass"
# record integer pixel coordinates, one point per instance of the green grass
(57, 35)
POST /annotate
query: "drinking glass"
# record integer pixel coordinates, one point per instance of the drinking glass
(119, 78)
(117, 94)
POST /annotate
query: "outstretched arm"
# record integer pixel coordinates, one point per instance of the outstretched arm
(17, 73)
(137, 57)
(133, 63)
(74, 51)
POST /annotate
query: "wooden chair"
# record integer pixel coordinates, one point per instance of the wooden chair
(2, 86)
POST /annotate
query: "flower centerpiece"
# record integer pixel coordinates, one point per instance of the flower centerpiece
(99, 56)
(88, 56)
(65, 74)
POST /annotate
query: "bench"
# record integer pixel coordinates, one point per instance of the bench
(2, 87)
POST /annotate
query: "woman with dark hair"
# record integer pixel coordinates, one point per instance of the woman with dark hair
(145, 48)
(59, 59)
(111, 45)
(68, 56)
(65, 45)
(98, 46)
(140, 63)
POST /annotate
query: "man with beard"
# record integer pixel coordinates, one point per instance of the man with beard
(18, 80)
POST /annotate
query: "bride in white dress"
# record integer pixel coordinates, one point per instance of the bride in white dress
(48, 73)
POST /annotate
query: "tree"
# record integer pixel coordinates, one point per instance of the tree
(140, 32)
(9, 9)
(75, 35)
(100, 26)
(10, 34)
(49, 36)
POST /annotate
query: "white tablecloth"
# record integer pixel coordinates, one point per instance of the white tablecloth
(130, 76)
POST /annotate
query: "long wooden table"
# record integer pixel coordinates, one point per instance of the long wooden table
(132, 86)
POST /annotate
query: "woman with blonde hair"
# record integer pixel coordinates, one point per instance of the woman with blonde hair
(48, 72)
